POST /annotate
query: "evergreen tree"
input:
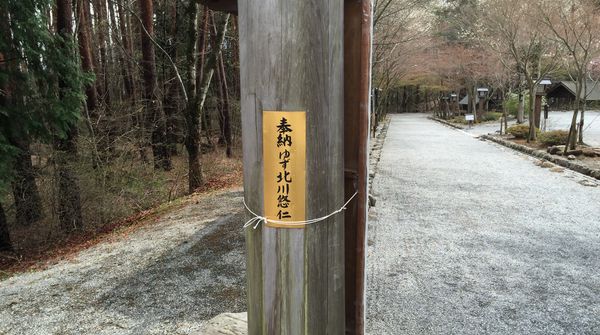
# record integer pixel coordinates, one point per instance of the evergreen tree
(41, 96)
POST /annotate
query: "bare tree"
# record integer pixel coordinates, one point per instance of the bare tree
(225, 114)
(511, 29)
(575, 28)
(155, 120)
(198, 91)
(191, 112)
(400, 30)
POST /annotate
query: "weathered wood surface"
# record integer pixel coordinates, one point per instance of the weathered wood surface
(291, 59)
(357, 74)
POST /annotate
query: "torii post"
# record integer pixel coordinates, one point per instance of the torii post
(311, 57)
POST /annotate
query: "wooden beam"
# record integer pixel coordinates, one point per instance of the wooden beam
(291, 60)
(357, 74)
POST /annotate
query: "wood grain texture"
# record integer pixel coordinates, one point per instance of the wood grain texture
(291, 59)
(357, 74)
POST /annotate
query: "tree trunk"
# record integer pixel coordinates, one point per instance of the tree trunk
(85, 52)
(208, 30)
(171, 87)
(583, 107)
(28, 203)
(102, 35)
(113, 32)
(537, 110)
(417, 99)
(211, 62)
(203, 37)
(69, 203)
(191, 112)
(473, 101)
(5, 244)
(194, 112)
(572, 139)
(235, 60)
(504, 121)
(208, 128)
(155, 121)
(4, 234)
(220, 115)
(69, 199)
(127, 69)
(521, 108)
(403, 101)
(225, 113)
(100, 125)
(531, 113)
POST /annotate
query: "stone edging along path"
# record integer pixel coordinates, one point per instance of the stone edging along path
(376, 145)
(450, 124)
(594, 173)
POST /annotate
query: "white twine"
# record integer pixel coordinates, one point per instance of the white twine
(257, 219)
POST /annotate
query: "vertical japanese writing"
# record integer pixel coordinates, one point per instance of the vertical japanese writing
(283, 177)
(284, 167)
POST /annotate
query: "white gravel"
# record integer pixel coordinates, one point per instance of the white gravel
(472, 238)
(166, 278)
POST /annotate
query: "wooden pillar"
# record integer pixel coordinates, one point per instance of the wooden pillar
(480, 109)
(291, 56)
(357, 74)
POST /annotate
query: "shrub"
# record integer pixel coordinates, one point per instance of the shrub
(491, 116)
(520, 131)
(459, 120)
(554, 137)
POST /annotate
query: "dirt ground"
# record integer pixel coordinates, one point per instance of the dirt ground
(167, 277)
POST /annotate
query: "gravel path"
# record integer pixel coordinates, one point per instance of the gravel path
(472, 238)
(165, 278)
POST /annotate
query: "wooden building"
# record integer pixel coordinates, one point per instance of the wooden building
(562, 94)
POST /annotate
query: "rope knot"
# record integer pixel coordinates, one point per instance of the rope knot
(257, 219)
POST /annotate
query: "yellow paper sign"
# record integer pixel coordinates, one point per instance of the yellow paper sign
(284, 167)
